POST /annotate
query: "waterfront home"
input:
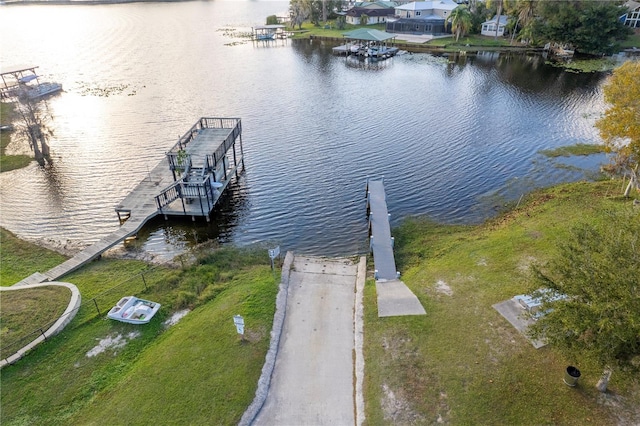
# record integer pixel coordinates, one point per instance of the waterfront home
(632, 17)
(422, 18)
(426, 9)
(489, 27)
(375, 15)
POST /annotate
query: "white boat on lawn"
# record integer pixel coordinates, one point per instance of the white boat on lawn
(132, 310)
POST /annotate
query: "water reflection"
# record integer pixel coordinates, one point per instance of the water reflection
(445, 132)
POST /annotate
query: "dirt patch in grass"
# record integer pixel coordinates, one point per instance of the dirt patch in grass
(397, 409)
(112, 343)
(176, 317)
(443, 288)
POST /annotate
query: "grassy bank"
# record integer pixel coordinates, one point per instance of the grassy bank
(20, 259)
(24, 311)
(9, 162)
(191, 373)
(463, 363)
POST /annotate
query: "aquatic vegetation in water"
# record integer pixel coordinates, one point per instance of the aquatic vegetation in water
(235, 33)
(92, 89)
(585, 65)
(577, 149)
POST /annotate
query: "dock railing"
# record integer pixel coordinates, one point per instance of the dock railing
(207, 123)
(200, 190)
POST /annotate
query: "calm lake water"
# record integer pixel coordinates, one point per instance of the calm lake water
(454, 137)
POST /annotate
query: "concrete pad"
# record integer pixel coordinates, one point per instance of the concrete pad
(516, 315)
(396, 299)
(313, 377)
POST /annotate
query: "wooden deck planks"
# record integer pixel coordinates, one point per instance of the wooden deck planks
(141, 206)
(205, 143)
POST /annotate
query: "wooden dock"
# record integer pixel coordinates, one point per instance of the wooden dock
(394, 297)
(198, 169)
(188, 182)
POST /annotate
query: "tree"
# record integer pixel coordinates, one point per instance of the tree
(526, 12)
(620, 125)
(33, 125)
(298, 11)
(597, 268)
(364, 19)
(499, 5)
(590, 26)
(461, 21)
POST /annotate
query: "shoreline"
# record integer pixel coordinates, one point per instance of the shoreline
(426, 48)
(83, 2)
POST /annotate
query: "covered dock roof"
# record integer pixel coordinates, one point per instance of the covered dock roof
(368, 35)
(13, 69)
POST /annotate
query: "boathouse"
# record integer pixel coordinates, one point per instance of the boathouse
(195, 173)
(368, 43)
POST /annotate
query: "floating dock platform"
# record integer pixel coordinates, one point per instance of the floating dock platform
(394, 297)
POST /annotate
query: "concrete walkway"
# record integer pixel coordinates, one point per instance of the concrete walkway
(313, 378)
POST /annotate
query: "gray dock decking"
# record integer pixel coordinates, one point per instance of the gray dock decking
(380, 232)
(202, 144)
(394, 297)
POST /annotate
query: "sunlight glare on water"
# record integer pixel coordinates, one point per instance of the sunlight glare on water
(447, 133)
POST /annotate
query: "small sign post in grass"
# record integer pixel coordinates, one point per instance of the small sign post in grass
(239, 323)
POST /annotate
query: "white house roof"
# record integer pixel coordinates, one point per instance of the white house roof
(632, 5)
(503, 20)
(429, 5)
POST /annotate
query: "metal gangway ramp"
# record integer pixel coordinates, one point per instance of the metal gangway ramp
(394, 297)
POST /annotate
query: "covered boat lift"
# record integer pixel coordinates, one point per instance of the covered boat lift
(23, 78)
(368, 43)
(269, 32)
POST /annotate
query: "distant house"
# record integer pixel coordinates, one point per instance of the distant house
(426, 9)
(424, 17)
(632, 17)
(375, 15)
(489, 27)
(376, 4)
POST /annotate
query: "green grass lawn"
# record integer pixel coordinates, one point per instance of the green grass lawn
(196, 372)
(631, 41)
(472, 40)
(463, 363)
(330, 30)
(9, 162)
(24, 311)
(20, 259)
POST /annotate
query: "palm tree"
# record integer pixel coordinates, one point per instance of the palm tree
(498, 14)
(526, 14)
(461, 21)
